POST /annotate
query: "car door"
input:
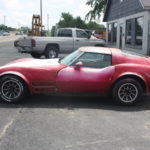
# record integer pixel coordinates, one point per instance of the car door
(66, 40)
(82, 39)
(94, 76)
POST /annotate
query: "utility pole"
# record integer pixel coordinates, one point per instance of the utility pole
(4, 20)
(41, 10)
(48, 23)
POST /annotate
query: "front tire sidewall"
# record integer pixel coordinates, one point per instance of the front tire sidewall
(52, 49)
(119, 84)
(20, 84)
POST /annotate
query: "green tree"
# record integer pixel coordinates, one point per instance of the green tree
(97, 8)
(94, 25)
(66, 20)
(3, 27)
(79, 23)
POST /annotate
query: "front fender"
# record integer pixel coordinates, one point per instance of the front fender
(19, 75)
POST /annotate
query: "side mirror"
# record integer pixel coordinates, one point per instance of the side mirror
(78, 65)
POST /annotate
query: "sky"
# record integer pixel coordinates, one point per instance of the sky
(19, 12)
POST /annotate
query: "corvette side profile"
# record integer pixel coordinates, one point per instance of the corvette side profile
(96, 70)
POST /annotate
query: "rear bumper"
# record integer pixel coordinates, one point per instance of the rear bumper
(24, 49)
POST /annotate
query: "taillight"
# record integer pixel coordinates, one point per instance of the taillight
(33, 43)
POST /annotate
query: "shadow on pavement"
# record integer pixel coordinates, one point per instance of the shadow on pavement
(74, 102)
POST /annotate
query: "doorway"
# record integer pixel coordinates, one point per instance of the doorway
(121, 35)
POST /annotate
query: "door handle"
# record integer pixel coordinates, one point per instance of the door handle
(77, 40)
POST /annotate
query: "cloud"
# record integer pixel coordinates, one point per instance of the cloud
(1, 14)
(12, 4)
(62, 2)
(82, 10)
(19, 12)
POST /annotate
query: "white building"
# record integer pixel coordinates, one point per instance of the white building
(128, 25)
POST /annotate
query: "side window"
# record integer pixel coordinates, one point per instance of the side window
(81, 34)
(94, 60)
(65, 33)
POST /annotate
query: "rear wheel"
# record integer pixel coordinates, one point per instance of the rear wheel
(36, 55)
(12, 89)
(51, 52)
(127, 91)
(16, 43)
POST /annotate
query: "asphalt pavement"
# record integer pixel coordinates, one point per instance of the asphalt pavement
(44, 122)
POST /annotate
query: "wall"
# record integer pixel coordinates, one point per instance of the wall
(144, 50)
(125, 8)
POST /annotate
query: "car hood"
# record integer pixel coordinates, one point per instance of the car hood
(33, 63)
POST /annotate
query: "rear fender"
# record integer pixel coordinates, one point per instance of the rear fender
(136, 76)
(131, 74)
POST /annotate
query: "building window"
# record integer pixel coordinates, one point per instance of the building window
(128, 32)
(112, 33)
(109, 32)
(115, 32)
(139, 31)
(134, 33)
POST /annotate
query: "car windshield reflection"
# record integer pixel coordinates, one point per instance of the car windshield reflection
(70, 58)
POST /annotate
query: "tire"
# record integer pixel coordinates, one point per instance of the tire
(16, 43)
(12, 89)
(36, 55)
(127, 91)
(51, 52)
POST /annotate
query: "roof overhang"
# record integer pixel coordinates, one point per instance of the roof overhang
(106, 10)
(145, 4)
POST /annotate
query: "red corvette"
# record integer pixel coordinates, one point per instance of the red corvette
(95, 70)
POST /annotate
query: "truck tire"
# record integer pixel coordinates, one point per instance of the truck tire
(51, 52)
(16, 43)
(36, 55)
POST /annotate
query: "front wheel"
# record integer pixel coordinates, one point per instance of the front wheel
(12, 89)
(127, 91)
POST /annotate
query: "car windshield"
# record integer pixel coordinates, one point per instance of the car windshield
(70, 58)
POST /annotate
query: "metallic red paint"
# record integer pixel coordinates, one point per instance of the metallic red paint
(41, 76)
(84, 80)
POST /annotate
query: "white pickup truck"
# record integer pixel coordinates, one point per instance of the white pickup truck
(67, 40)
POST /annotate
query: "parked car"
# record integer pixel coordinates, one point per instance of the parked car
(1, 32)
(67, 40)
(100, 33)
(94, 70)
(5, 33)
(19, 33)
